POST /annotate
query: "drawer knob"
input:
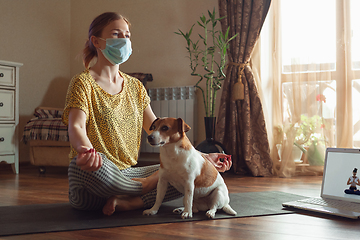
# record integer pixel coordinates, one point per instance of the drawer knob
(1, 74)
(2, 139)
(1, 104)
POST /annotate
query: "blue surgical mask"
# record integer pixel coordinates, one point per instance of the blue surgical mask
(117, 50)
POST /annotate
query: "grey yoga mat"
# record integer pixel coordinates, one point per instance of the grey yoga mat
(43, 218)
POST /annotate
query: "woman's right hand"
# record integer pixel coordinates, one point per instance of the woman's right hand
(88, 159)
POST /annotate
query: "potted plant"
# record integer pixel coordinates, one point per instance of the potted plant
(310, 135)
(308, 138)
(209, 52)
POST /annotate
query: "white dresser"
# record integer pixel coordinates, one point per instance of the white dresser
(9, 113)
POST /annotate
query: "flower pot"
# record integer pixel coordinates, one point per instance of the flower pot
(209, 145)
(316, 154)
(296, 153)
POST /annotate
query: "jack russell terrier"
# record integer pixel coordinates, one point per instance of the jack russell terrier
(182, 166)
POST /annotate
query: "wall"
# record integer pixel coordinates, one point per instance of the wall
(48, 37)
(37, 34)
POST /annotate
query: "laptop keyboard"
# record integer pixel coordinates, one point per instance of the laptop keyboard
(343, 205)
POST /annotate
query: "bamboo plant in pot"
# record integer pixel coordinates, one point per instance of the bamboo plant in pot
(209, 52)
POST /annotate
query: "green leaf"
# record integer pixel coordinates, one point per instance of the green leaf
(212, 15)
(203, 18)
(227, 33)
(211, 49)
(218, 19)
(195, 45)
(232, 37)
(181, 33)
(190, 31)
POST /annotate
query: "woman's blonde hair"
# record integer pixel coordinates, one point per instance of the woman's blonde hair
(95, 29)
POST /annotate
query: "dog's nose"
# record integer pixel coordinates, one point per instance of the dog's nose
(150, 138)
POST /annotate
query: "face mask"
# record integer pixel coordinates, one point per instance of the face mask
(117, 50)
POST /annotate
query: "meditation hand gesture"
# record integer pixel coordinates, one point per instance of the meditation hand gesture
(215, 159)
(88, 159)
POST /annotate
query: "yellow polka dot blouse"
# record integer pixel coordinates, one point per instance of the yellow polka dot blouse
(113, 122)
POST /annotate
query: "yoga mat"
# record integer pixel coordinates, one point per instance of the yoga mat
(43, 218)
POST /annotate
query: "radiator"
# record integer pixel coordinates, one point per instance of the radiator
(177, 102)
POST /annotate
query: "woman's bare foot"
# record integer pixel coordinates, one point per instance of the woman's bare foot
(122, 203)
(126, 203)
(148, 183)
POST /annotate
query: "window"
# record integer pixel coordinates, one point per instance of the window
(320, 53)
(355, 34)
(308, 38)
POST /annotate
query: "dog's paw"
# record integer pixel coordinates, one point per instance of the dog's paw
(186, 215)
(150, 212)
(211, 213)
(178, 210)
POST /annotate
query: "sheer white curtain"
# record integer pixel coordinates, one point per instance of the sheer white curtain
(313, 74)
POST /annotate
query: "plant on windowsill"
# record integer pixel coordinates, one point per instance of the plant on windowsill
(311, 136)
(308, 138)
(208, 51)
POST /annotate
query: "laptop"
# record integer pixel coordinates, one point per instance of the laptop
(336, 196)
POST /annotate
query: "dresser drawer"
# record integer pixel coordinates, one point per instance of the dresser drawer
(7, 76)
(7, 104)
(7, 139)
(7, 158)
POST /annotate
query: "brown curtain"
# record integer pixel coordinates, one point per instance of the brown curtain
(241, 123)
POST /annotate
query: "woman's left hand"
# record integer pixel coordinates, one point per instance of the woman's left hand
(215, 159)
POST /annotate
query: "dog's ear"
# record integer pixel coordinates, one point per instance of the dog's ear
(183, 127)
(152, 127)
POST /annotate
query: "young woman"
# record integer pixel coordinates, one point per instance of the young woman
(353, 181)
(105, 112)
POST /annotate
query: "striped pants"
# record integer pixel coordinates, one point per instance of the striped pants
(90, 190)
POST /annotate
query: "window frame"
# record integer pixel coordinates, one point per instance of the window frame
(343, 56)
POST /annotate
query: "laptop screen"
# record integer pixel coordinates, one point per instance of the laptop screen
(338, 174)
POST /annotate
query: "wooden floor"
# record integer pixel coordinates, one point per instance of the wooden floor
(31, 188)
